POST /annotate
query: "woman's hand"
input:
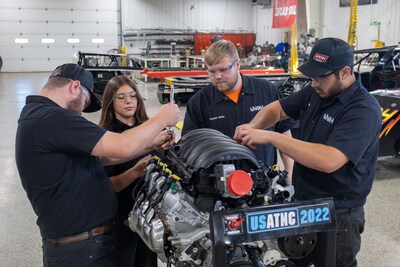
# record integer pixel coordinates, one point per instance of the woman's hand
(140, 165)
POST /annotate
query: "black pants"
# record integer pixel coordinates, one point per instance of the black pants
(349, 225)
(131, 250)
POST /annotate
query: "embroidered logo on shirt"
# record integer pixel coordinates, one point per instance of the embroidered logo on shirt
(320, 58)
(217, 118)
(328, 118)
(256, 108)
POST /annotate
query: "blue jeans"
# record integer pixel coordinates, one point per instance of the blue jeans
(349, 227)
(95, 251)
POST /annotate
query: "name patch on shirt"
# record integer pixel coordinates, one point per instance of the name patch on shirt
(217, 118)
(328, 118)
(256, 108)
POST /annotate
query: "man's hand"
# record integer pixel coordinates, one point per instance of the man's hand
(163, 141)
(238, 132)
(250, 137)
(169, 113)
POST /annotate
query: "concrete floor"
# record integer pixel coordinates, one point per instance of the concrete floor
(20, 242)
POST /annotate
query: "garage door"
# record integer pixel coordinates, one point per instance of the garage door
(40, 35)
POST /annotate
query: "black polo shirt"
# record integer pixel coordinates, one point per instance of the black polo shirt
(209, 108)
(350, 122)
(125, 200)
(68, 188)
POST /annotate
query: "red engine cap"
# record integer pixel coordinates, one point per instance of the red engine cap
(239, 183)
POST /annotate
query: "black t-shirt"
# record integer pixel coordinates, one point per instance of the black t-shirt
(125, 200)
(350, 122)
(209, 108)
(68, 188)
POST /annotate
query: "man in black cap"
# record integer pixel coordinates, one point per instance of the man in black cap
(60, 157)
(335, 156)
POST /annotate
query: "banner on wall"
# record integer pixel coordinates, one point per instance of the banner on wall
(284, 13)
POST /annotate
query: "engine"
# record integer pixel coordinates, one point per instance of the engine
(207, 172)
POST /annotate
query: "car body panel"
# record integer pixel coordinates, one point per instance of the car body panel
(390, 133)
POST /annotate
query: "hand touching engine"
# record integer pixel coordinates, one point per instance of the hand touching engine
(163, 140)
(140, 165)
(169, 114)
(246, 135)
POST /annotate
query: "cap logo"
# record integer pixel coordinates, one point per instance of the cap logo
(320, 58)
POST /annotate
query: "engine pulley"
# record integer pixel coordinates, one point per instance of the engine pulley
(299, 246)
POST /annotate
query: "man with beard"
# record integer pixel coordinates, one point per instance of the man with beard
(232, 99)
(338, 144)
(60, 157)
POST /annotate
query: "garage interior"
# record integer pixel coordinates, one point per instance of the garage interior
(26, 66)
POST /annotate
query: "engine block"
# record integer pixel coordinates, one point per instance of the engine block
(205, 172)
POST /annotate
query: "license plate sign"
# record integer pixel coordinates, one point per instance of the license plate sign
(286, 218)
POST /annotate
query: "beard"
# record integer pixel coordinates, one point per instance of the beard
(333, 91)
(225, 86)
(76, 105)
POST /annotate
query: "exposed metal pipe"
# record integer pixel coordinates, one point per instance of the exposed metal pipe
(119, 22)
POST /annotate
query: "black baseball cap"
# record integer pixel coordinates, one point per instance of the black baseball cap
(75, 72)
(328, 54)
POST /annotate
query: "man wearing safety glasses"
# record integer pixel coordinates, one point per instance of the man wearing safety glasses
(232, 99)
(336, 153)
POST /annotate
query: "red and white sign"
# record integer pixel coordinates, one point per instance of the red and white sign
(320, 58)
(284, 13)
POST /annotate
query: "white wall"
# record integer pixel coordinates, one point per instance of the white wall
(330, 20)
(182, 15)
(208, 15)
(335, 21)
(55, 19)
(262, 23)
(36, 19)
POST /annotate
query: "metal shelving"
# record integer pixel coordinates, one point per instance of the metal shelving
(158, 41)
